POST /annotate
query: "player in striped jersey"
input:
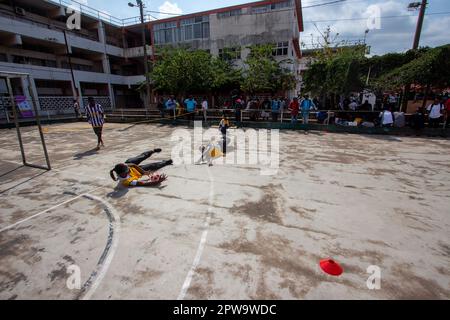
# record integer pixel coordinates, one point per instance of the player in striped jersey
(96, 118)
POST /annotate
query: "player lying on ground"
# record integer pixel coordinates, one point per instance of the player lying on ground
(213, 150)
(131, 172)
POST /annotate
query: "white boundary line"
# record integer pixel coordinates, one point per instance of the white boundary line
(102, 267)
(47, 210)
(201, 246)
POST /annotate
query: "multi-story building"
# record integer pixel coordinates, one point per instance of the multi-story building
(104, 58)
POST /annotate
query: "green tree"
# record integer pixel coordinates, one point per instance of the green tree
(335, 72)
(430, 69)
(181, 71)
(225, 75)
(263, 73)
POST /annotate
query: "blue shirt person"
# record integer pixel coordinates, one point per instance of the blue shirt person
(275, 109)
(306, 105)
(190, 104)
(275, 105)
(171, 104)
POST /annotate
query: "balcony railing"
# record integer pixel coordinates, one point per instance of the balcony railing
(55, 25)
(137, 52)
(100, 15)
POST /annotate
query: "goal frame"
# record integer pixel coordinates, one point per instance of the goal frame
(24, 76)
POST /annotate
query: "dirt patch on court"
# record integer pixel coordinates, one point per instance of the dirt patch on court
(9, 280)
(204, 284)
(406, 285)
(267, 209)
(297, 268)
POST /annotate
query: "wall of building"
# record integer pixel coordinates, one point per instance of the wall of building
(248, 29)
(242, 28)
(93, 41)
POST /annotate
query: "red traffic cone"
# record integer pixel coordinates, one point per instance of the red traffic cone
(331, 267)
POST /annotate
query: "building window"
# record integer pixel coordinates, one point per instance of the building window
(34, 61)
(3, 57)
(272, 7)
(190, 29)
(195, 28)
(165, 32)
(281, 49)
(231, 13)
(233, 53)
(281, 5)
(260, 9)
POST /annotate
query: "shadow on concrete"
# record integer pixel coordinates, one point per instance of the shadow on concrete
(85, 154)
(23, 182)
(384, 137)
(118, 192)
(11, 171)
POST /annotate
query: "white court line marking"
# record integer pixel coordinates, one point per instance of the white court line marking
(113, 241)
(201, 246)
(47, 210)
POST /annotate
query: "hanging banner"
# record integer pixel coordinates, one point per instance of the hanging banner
(24, 106)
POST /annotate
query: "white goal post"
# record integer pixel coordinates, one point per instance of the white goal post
(25, 78)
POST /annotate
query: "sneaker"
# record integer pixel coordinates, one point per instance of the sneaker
(169, 162)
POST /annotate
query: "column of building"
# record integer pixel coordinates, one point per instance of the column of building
(105, 60)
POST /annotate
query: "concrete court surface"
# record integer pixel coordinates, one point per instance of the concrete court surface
(225, 232)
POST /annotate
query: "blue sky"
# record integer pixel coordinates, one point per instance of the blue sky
(395, 34)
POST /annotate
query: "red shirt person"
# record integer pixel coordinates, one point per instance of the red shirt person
(294, 107)
(447, 111)
(447, 106)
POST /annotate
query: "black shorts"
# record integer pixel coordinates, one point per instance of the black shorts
(98, 130)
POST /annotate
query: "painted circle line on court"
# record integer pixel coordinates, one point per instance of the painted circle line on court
(105, 259)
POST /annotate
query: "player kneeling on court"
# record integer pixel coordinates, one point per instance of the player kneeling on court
(131, 173)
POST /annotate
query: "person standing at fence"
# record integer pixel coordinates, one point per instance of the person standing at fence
(205, 109)
(283, 104)
(223, 127)
(96, 118)
(418, 121)
(435, 113)
(171, 105)
(160, 106)
(238, 106)
(353, 106)
(190, 105)
(306, 106)
(447, 111)
(387, 118)
(294, 107)
(76, 108)
(275, 109)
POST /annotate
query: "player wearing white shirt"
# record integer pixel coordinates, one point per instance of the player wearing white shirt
(435, 113)
(205, 108)
(387, 118)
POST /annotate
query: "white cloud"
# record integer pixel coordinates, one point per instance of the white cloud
(396, 34)
(169, 8)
